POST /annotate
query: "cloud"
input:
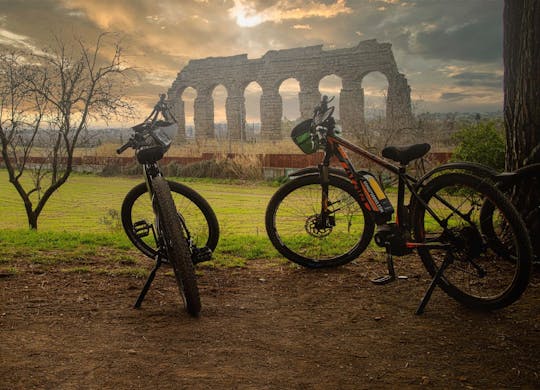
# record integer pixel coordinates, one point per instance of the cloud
(453, 96)
(472, 79)
(107, 15)
(246, 14)
(446, 50)
(468, 31)
(10, 39)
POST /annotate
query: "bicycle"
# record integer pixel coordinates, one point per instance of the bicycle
(167, 221)
(326, 217)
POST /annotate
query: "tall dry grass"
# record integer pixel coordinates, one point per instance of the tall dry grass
(195, 148)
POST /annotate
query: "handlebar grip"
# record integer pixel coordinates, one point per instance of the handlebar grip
(122, 148)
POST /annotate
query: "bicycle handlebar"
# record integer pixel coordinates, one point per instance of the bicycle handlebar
(149, 124)
(123, 148)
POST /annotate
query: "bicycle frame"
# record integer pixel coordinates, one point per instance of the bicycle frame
(150, 171)
(337, 146)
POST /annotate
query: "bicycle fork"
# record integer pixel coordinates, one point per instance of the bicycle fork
(325, 220)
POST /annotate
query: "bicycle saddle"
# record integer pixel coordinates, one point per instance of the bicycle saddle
(405, 154)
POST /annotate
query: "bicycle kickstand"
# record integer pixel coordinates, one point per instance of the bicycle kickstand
(423, 303)
(148, 282)
(391, 272)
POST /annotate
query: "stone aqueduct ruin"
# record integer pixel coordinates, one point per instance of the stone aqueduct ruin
(308, 65)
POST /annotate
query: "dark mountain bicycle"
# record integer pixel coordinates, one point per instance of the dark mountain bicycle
(167, 221)
(326, 217)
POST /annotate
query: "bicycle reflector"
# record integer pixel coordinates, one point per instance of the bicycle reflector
(302, 137)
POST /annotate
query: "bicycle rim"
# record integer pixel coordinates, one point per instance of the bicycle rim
(295, 227)
(200, 219)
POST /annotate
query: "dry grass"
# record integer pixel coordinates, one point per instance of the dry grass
(244, 166)
(195, 148)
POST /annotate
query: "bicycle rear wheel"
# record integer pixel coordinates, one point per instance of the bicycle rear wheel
(295, 227)
(520, 188)
(172, 234)
(200, 220)
(449, 215)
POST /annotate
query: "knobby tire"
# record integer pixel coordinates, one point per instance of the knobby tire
(176, 245)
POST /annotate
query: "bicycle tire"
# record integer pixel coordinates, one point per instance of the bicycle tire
(176, 245)
(290, 217)
(199, 216)
(476, 266)
(530, 177)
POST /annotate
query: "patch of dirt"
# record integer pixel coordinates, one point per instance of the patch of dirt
(266, 326)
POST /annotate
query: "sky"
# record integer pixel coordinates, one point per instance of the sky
(450, 51)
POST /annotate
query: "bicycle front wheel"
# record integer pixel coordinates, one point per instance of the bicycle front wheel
(448, 221)
(200, 220)
(178, 254)
(295, 227)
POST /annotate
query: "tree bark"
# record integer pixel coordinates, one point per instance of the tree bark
(521, 52)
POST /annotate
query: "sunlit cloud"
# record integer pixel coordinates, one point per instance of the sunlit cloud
(200, 19)
(435, 43)
(115, 15)
(17, 41)
(246, 14)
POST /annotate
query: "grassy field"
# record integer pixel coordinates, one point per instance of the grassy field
(82, 217)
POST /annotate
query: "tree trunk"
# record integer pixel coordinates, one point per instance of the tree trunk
(521, 81)
(33, 221)
(521, 51)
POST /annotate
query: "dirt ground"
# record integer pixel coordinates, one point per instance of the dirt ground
(266, 326)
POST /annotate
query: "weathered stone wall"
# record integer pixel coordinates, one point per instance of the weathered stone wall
(308, 65)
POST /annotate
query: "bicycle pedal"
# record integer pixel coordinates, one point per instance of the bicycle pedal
(198, 255)
(141, 228)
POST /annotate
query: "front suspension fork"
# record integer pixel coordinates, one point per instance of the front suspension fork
(325, 181)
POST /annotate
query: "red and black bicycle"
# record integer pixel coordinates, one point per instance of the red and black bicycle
(326, 217)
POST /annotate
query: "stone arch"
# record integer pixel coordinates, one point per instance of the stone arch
(220, 95)
(252, 99)
(177, 105)
(375, 87)
(331, 86)
(289, 90)
(308, 65)
(186, 123)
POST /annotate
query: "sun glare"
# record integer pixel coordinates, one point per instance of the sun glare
(245, 15)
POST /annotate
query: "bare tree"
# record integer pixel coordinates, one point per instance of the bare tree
(47, 100)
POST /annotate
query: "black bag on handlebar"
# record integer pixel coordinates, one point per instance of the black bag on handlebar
(303, 137)
(157, 141)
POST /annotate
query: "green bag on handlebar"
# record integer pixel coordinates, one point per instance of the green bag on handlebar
(302, 136)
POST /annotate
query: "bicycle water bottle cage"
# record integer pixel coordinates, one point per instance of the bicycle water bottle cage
(405, 154)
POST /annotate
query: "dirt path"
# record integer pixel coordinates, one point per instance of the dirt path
(266, 326)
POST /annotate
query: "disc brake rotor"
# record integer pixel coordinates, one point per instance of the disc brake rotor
(315, 228)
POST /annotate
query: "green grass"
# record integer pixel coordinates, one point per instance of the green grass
(79, 223)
